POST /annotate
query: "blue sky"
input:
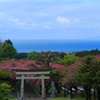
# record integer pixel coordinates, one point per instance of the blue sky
(50, 19)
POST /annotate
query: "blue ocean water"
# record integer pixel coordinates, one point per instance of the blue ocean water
(55, 45)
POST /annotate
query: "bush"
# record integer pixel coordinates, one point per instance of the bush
(5, 74)
(5, 91)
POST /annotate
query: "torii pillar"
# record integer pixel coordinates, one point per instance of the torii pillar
(31, 72)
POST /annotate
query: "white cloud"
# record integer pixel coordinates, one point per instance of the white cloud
(33, 24)
(17, 22)
(46, 26)
(62, 19)
(76, 19)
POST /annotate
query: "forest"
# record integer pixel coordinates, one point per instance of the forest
(76, 73)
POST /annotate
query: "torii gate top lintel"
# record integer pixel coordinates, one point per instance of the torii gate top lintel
(42, 77)
(42, 71)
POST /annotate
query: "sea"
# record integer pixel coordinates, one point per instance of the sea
(67, 46)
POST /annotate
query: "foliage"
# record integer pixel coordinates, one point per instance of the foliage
(5, 74)
(7, 42)
(62, 98)
(89, 75)
(59, 54)
(96, 73)
(70, 73)
(97, 79)
(8, 51)
(21, 56)
(45, 58)
(1, 45)
(67, 60)
(84, 77)
(32, 55)
(5, 91)
(86, 53)
(57, 75)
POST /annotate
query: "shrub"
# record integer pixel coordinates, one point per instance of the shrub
(5, 91)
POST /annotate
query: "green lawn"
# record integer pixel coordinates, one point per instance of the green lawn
(13, 99)
(62, 98)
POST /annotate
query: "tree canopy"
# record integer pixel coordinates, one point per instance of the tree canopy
(8, 51)
(32, 55)
(67, 60)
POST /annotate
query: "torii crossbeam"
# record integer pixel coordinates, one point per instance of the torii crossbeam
(32, 72)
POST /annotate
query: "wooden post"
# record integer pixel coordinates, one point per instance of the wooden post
(22, 87)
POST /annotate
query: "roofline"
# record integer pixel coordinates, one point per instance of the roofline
(38, 70)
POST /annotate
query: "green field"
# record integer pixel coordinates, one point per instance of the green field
(13, 99)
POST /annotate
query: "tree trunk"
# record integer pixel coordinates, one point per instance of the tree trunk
(65, 91)
(86, 90)
(58, 88)
(71, 93)
(94, 93)
(89, 93)
(48, 87)
(98, 92)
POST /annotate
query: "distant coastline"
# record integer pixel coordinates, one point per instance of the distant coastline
(55, 45)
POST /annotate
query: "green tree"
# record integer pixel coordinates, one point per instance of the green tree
(32, 55)
(44, 59)
(7, 42)
(85, 75)
(67, 60)
(22, 56)
(1, 45)
(8, 51)
(5, 91)
(95, 72)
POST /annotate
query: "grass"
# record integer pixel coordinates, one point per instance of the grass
(63, 98)
(13, 99)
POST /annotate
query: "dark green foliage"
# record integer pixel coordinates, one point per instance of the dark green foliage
(45, 58)
(8, 51)
(21, 56)
(1, 44)
(84, 77)
(5, 74)
(85, 53)
(89, 75)
(7, 42)
(59, 54)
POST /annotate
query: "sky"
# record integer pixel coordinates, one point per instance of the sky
(50, 19)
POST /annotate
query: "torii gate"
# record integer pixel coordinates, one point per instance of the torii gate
(32, 72)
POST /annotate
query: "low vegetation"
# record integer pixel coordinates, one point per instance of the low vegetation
(69, 71)
(63, 98)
